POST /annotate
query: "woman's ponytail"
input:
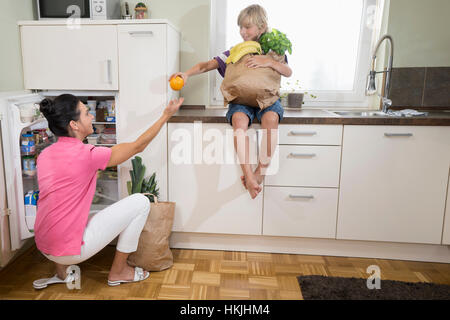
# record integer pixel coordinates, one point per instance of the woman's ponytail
(47, 107)
(59, 112)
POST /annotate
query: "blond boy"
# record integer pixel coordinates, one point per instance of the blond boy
(253, 23)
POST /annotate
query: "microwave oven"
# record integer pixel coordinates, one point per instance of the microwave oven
(87, 9)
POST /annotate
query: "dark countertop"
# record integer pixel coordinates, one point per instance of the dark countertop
(313, 116)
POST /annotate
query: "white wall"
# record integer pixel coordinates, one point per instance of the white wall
(420, 30)
(11, 11)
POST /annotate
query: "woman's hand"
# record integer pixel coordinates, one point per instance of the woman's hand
(173, 107)
(183, 75)
(124, 151)
(259, 62)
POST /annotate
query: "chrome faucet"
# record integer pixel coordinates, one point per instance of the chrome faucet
(371, 84)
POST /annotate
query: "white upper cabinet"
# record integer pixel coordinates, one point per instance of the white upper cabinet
(61, 58)
(393, 183)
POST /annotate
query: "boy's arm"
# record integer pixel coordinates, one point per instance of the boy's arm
(281, 68)
(264, 62)
(124, 151)
(199, 68)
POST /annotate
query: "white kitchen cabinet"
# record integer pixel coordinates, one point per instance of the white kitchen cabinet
(300, 212)
(56, 57)
(301, 188)
(393, 183)
(204, 181)
(148, 55)
(446, 233)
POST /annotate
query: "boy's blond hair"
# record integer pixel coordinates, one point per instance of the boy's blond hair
(254, 14)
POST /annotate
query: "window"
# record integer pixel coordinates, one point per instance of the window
(331, 44)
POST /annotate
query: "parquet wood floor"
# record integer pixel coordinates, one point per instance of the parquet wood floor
(204, 274)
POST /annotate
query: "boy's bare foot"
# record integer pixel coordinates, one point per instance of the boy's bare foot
(253, 187)
(258, 176)
(243, 182)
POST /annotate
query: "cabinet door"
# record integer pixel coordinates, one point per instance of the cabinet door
(393, 183)
(446, 235)
(60, 58)
(205, 183)
(300, 212)
(143, 96)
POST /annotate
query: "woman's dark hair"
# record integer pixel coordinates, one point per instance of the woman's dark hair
(60, 112)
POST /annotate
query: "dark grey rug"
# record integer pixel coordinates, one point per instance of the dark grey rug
(336, 288)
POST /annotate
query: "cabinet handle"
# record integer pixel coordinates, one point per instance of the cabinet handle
(295, 196)
(398, 134)
(302, 133)
(292, 154)
(108, 70)
(133, 33)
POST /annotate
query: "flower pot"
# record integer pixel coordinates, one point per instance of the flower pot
(295, 100)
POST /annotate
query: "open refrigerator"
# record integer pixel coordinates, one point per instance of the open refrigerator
(25, 133)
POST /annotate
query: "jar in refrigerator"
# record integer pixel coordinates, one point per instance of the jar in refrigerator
(43, 136)
(28, 144)
(29, 165)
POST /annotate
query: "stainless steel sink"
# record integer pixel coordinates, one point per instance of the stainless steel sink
(354, 113)
(360, 113)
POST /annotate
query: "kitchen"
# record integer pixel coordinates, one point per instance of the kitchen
(361, 191)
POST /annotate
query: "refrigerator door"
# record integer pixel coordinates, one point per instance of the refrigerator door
(12, 127)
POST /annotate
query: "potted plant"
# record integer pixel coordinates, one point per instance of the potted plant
(138, 183)
(275, 41)
(293, 98)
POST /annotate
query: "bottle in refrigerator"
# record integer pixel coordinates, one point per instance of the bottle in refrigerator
(27, 144)
(29, 165)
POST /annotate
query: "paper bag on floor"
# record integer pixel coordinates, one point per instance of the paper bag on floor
(258, 87)
(153, 252)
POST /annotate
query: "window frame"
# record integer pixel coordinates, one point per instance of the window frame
(372, 11)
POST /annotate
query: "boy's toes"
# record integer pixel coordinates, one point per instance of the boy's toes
(253, 189)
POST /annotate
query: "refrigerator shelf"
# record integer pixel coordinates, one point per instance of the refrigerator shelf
(24, 125)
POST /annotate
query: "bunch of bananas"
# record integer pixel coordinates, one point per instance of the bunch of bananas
(243, 48)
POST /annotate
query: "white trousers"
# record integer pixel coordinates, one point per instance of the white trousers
(125, 218)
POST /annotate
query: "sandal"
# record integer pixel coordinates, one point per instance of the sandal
(139, 275)
(43, 283)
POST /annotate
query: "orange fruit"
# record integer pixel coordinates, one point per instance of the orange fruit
(176, 83)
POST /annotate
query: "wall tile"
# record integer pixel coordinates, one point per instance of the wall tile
(437, 87)
(407, 86)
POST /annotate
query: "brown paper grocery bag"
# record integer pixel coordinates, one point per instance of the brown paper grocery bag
(258, 87)
(153, 252)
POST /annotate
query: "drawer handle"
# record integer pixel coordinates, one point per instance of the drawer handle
(150, 33)
(398, 134)
(295, 196)
(292, 154)
(302, 133)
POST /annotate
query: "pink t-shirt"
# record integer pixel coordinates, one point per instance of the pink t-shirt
(67, 177)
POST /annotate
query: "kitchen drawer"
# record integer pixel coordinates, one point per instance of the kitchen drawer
(305, 166)
(300, 212)
(311, 134)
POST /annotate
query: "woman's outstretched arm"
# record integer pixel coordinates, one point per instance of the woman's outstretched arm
(124, 151)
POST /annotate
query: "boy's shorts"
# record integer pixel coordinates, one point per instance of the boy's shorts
(251, 112)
